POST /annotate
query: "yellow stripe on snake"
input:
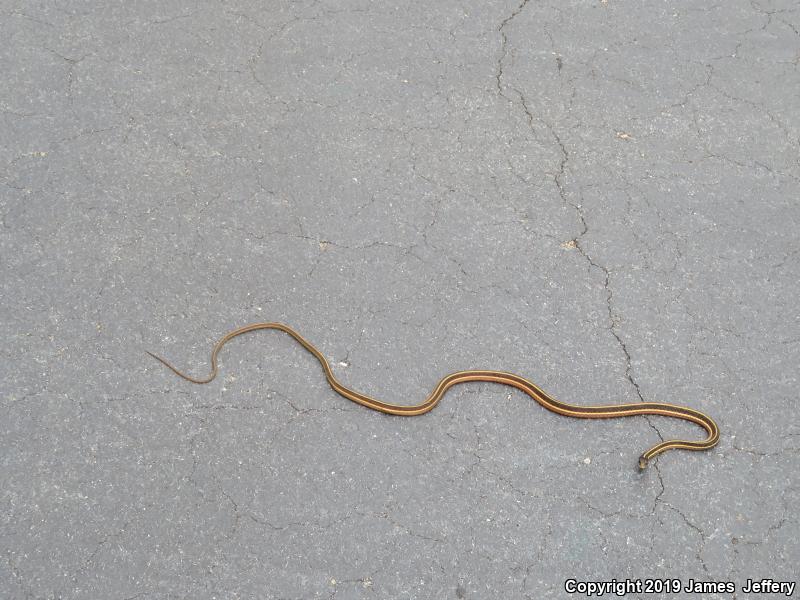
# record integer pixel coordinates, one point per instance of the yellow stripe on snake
(550, 403)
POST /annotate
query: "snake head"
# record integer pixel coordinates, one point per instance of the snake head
(642, 463)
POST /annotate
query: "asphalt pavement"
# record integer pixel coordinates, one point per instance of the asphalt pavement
(600, 196)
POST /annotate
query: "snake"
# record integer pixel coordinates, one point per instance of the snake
(531, 389)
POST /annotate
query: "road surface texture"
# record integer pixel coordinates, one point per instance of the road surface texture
(600, 196)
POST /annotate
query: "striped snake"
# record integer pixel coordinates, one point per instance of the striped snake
(550, 403)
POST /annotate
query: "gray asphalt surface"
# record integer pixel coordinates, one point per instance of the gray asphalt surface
(600, 196)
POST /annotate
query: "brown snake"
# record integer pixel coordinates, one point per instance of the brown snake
(550, 403)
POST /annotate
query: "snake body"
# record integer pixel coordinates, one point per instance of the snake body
(547, 401)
